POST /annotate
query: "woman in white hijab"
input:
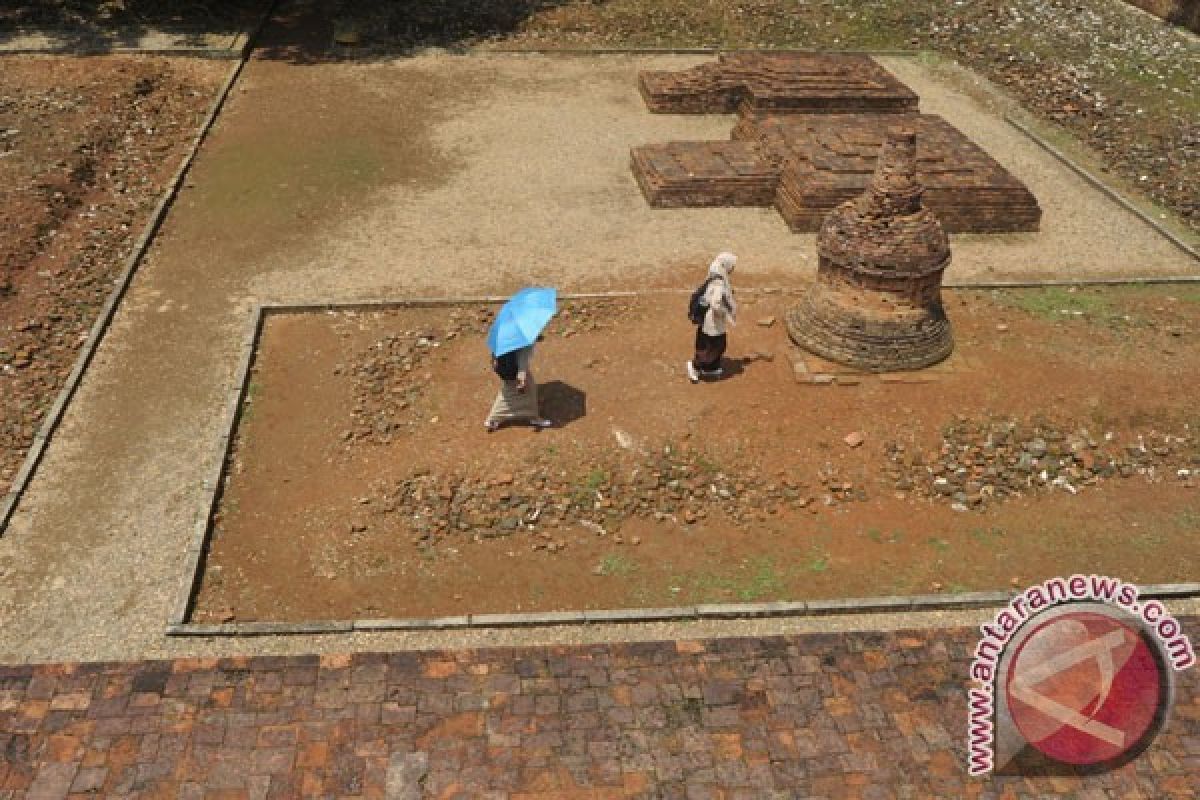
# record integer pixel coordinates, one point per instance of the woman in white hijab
(722, 312)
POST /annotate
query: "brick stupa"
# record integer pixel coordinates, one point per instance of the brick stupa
(876, 304)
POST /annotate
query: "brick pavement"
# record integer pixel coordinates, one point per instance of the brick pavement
(861, 715)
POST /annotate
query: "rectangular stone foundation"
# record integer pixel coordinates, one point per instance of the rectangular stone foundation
(825, 161)
(680, 174)
(809, 131)
(807, 164)
(798, 82)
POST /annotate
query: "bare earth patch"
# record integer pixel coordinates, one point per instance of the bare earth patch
(362, 483)
(86, 149)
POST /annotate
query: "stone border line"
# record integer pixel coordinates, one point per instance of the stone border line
(50, 423)
(1160, 280)
(213, 486)
(1104, 188)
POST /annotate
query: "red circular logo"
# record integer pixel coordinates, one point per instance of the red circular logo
(1085, 688)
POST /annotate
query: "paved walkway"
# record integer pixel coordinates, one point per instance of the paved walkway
(866, 715)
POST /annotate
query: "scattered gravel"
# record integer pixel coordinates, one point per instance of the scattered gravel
(981, 463)
(678, 485)
(1115, 79)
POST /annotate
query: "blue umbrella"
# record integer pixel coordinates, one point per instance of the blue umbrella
(521, 319)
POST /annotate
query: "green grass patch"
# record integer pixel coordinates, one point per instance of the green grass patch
(986, 536)
(818, 559)
(941, 545)
(753, 580)
(616, 564)
(1055, 303)
(249, 398)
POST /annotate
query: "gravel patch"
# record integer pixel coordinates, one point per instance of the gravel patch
(515, 175)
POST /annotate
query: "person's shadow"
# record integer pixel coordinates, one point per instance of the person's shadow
(561, 402)
(734, 367)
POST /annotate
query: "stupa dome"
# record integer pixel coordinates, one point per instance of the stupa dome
(876, 304)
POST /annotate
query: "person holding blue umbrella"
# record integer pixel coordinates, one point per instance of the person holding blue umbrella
(517, 327)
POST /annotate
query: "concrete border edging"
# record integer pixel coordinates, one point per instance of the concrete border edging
(1155, 280)
(87, 352)
(214, 486)
(626, 616)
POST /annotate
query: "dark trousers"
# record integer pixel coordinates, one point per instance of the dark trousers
(709, 350)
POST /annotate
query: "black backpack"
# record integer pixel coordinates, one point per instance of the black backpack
(698, 304)
(506, 365)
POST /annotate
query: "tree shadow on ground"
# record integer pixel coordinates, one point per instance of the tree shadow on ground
(562, 403)
(1186, 15)
(101, 26)
(320, 31)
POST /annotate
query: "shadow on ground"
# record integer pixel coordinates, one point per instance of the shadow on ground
(99, 26)
(562, 402)
(319, 31)
(733, 367)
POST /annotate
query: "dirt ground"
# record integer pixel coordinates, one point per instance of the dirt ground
(363, 484)
(86, 148)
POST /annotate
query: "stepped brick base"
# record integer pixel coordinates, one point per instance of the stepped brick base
(806, 164)
(828, 160)
(804, 82)
(808, 135)
(704, 174)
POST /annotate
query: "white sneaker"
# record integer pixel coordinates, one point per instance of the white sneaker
(693, 376)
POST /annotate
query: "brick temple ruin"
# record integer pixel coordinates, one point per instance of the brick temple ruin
(796, 82)
(809, 132)
(876, 304)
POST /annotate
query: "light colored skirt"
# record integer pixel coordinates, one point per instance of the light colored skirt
(513, 406)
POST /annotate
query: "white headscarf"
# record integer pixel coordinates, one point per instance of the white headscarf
(721, 267)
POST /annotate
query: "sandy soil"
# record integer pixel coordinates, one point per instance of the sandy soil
(311, 525)
(425, 176)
